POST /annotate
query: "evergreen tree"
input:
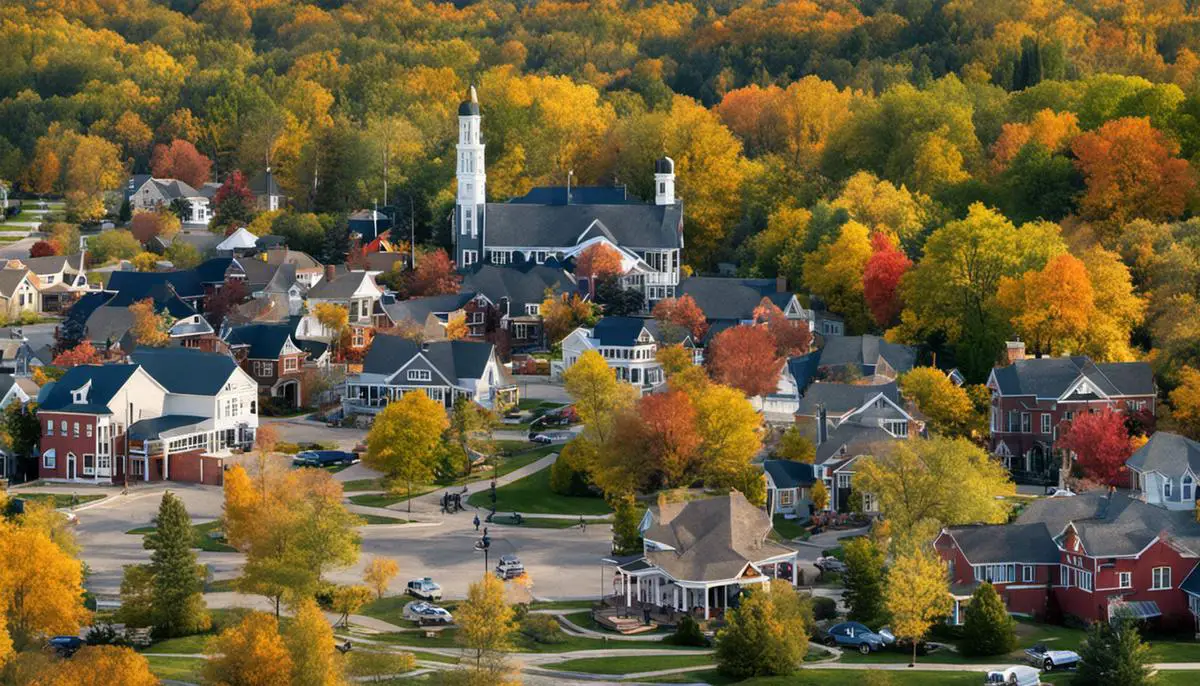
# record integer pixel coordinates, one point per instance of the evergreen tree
(1114, 655)
(337, 239)
(988, 629)
(763, 637)
(125, 213)
(865, 580)
(627, 539)
(178, 604)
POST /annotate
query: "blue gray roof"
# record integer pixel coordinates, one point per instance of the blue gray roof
(419, 309)
(263, 341)
(106, 381)
(154, 427)
(137, 285)
(454, 359)
(840, 398)
(520, 285)
(621, 331)
(789, 473)
(1050, 377)
(731, 299)
(991, 543)
(186, 370)
(841, 351)
(213, 270)
(1120, 525)
(1167, 453)
(634, 226)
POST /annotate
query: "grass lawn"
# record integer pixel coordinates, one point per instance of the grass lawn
(1174, 651)
(59, 499)
(789, 528)
(562, 604)
(831, 677)
(630, 664)
(201, 534)
(1028, 633)
(545, 522)
(390, 609)
(370, 519)
(522, 644)
(532, 494)
(177, 668)
(221, 586)
(183, 644)
(506, 466)
(362, 485)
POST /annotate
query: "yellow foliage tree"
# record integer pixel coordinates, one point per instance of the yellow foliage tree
(486, 626)
(599, 396)
(406, 440)
(149, 327)
(917, 594)
(145, 261)
(456, 328)
(1119, 309)
(947, 406)
(99, 665)
(819, 496)
(41, 587)
(1185, 403)
(310, 642)
(379, 573)
(1052, 307)
(882, 207)
(835, 272)
(348, 600)
(241, 502)
(250, 652)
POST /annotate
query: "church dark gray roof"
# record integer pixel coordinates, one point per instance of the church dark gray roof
(631, 225)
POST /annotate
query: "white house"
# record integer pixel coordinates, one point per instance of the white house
(148, 194)
(627, 344)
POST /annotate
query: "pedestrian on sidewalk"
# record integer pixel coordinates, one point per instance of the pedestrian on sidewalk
(477, 522)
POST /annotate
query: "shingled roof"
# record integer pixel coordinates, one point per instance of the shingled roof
(713, 539)
(1117, 525)
(262, 341)
(840, 398)
(521, 285)
(865, 350)
(992, 543)
(789, 473)
(454, 359)
(106, 380)
(631, 225)
(1167, 453)
(186, 370)
(1051, 377)
(731, 299)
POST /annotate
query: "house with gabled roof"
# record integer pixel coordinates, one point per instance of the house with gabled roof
(789, 487)
(1094, 555)
(60, 279)
(728, 302)
(509, 299)
(146, 193)
(1034, 400)
(354, 290)
(627, 344)
(698, 557)
(276, 359)
(19, 292)
(443, 370)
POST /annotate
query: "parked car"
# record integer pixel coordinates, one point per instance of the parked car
(830, 564)
(903, 645)
(1052, 492)
(424, 588)
(322, 458)
(540, 438)
(509, 567)
(422, 612)
(855, 635)
(1018, 675)
(1041, 656)
(65, 646)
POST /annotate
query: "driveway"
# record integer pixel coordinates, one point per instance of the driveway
(541, 388)
(301, 430)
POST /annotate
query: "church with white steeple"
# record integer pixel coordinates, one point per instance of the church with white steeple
(555, 224)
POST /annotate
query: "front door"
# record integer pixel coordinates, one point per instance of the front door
(70, 466)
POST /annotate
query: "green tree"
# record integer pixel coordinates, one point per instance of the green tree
(627, 516)
(178, 581)
(988, 628)
(764, 636)
(406, 439)
(137, 596)
(1114, 655)
(795, 446)
(865, 579)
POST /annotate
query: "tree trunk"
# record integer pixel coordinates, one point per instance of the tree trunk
(913, 663)
(409, 493)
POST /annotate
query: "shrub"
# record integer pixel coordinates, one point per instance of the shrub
(824, 608)
(988, 628)
(542, 628)
(688, 633)
(105, 635)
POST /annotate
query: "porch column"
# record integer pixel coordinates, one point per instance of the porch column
(726, 587)
(795, 564)
(675, 597)
(628, 588)
(706, 602)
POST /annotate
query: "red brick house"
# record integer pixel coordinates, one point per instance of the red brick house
(1091, 555)
(276, 359)
(1034, 399)
(168, 414)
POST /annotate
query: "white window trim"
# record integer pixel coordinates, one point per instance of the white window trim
(1124, 579)
(1159, 576)
(419, 375)
(1028, 573)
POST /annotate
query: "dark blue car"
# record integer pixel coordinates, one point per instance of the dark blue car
(856, 636)
(322, 458)
(65, 646)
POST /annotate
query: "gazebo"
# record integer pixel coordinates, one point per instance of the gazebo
(698, 556)
(239, 242)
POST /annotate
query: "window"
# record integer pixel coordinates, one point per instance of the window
(75, 429)
(1124, 580)
(1014, 419)
(870, 503)
(843, 480)
(475, 317)
(1045, 422)
(48, 460)
(290, 364)
(1186, 493)
(469, 257)
(1085, 580)
(1026, 423)
(62, 428)
(533, 309)
(359, 337)
(1028, 573)
(49, 427)
(419, 375)
(786, 496)
(467, 228)
(1166, 488)
(89, 464)
(897, 429)
(501, 256)
(89, 430)
(996, 574)
(1160, 579)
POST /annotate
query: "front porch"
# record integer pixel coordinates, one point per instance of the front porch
(640, 589)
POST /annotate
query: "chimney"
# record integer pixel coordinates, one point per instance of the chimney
(330, 271)
(1015, 350)
(822, 425)
(781, 284)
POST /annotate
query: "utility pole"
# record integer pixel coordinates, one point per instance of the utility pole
(412, 233)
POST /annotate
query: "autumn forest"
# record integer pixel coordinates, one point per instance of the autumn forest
(952, 173)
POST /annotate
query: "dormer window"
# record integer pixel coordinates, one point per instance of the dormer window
(79, 395)
(1084, 388)
(419, 375)
(533, 309)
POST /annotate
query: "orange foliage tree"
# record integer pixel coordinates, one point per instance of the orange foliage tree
(881, 279)
(745, 358)
(791, 337)
(669, 437)
(599, 261)
(1131, 172)
(181, 160)
(434, 275)
(683, 314)
(1050, 307)
(1052, 130)
(84, 353)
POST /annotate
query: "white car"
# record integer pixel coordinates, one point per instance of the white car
(422, 612)
(1014, 676)
(424, 588)
(1059, 493)
(1041, 656)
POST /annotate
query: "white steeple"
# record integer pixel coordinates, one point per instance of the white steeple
(472, 181)
(664, 181)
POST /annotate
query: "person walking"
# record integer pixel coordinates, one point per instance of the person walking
(477, 522)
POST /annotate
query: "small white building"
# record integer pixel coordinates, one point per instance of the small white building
(627, 344)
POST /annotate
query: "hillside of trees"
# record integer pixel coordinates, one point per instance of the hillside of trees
(950, 172)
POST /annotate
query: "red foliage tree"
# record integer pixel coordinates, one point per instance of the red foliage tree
(235, 187)
(881, 279)
(1101, 444)
(435, 275)
(792, 338)
(744, 357)
(181, 160)
(231, 294)
(43, 249)
(83, 353)
(145, 225)
(598, 261)
(684, 313)
(669, 437)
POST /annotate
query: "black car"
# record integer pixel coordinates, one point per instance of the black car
(322, 458)
(65, 646)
